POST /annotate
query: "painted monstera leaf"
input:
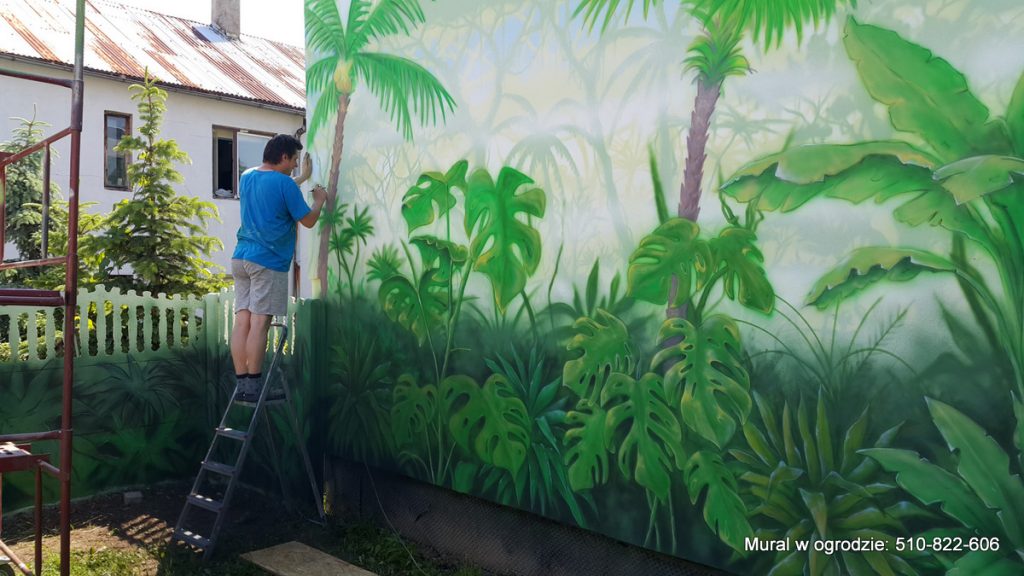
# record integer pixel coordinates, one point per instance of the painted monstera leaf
(674, 249)
(416, 310)
(586, 453)
(604, 343)
(706, 378)
(412, 411)
(724, 511)
(433, 188)
(442, 254)
(505, 246)
(489, 421)
(642, 429)
(744, 278)
(925, 95)
(866, 266)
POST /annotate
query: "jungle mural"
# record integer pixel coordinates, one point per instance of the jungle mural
(741, 282)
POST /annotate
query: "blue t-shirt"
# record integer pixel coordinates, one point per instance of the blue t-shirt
(271, 204)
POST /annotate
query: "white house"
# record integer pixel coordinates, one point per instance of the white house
(227, 93)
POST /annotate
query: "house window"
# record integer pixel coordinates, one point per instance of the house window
(234, 152)
(115, 164)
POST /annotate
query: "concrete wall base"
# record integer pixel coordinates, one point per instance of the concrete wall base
(481, 533)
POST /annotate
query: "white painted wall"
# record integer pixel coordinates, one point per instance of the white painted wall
(189, 120)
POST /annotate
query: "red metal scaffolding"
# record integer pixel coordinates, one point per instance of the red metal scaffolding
(15, 449)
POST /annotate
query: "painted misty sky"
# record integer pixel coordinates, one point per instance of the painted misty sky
(576, 110)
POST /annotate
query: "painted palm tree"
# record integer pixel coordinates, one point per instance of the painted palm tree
(342, 60)
(716, 55)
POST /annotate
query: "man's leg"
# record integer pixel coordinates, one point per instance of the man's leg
(240, 332)
(239, 336)
(269, 298)
(256, 342)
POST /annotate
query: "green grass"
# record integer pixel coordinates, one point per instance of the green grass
(98, 563)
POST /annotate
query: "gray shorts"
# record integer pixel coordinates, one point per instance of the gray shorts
(258, 289)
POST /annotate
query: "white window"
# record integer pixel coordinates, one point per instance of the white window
(234, 152)
(115, 164)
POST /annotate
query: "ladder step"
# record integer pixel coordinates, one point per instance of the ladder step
(232, 433)
(219, 468)
(189, 537)
(267, 402)
(206, 503)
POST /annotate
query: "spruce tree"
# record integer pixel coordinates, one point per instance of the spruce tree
(161, 236)
(24, 187)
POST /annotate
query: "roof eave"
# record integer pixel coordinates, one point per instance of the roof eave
(170, 87)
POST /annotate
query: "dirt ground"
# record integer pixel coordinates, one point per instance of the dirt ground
(106, 522)
(255, 521)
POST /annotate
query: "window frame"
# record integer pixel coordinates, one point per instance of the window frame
(128, 157)
(234, 130)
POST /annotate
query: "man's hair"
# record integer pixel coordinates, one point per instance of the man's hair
(280, 145)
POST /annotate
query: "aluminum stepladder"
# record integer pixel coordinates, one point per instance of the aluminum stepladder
(223, 433)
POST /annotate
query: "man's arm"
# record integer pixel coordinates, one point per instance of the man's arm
(319, 198)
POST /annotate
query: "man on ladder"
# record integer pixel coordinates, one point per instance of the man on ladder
(271, 205)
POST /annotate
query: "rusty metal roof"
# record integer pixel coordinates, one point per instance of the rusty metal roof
(124, 40)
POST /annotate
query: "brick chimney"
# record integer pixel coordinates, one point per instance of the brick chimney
(227, 17)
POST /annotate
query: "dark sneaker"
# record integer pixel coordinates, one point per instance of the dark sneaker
(246, 398)
(248, 390)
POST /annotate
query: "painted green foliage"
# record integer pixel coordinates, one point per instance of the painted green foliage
(594, 411)
(681, 414)
(806, 483)
(494, 434)
(604, 345)
(966, 179)
(983, 493)
(499, 242)
(677, 250)
(133, 419)
(359, 412)
(486, 422)
(506, 249)
(706, 375)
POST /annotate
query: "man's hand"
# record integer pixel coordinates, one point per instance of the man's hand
(307, 166)
(307, 169)
(319, 195)
(319, 198)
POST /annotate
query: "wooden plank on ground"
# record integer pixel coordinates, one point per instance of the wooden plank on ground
(297, 559)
